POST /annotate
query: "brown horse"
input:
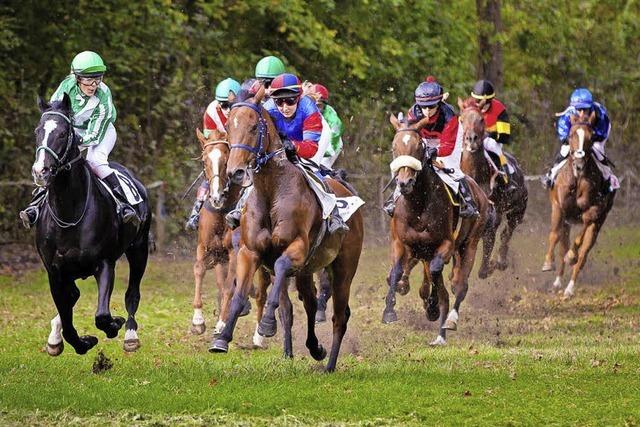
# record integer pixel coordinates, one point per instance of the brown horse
(279, 230)
(576, 197)
(474, 164)
(423, 227)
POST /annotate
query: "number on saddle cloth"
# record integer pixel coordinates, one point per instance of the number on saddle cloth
(129, 188)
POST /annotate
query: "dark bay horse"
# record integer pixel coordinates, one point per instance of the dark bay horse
(423, 227)
(279, 228)
(512, 205)
(576, 197)
(79, 234)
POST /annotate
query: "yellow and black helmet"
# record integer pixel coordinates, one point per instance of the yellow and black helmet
(483, 89)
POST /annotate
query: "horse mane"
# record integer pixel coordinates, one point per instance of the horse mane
(470, 103)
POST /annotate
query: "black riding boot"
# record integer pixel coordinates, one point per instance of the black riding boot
(507, 180)
(30, 214)
(125, 210)
(468, 207)
(194, 217)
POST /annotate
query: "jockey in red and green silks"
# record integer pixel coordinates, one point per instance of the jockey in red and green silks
(335, 124)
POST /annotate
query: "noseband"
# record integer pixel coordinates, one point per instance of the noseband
(60, 160)
(262, 157)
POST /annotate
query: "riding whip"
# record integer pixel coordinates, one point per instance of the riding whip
(191, 186)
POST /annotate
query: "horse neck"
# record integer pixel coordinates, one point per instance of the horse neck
(68, 191)
(476, 165)
(425, 186)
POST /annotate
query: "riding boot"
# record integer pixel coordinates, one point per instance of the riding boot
(194, 217)
(509, 186)
(468, 207)
(125, 210)
(390, 204)
(30, 214)
(336, 223)
(546, 179)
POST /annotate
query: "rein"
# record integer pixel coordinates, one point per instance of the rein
(60, 160)
(64, 224)
(262, 157)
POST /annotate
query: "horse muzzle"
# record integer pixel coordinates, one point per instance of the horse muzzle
(41, 175)
(406, 186)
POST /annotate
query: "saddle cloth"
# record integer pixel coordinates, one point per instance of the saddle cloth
(605, 170)
(128, 188)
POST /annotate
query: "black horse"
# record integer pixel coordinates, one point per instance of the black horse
(79, 234)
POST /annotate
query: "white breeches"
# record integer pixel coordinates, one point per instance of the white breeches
(98, 155)
(324, 143)
(492, 145)
(328, 161)
(452, 161)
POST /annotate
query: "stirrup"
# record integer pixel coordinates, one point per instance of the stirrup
(192, 222)
(29, 216)
(389, 207)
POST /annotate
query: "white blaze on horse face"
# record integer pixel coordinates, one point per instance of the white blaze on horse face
(580, 152)
(406, 139)
(49, 127)
(214, 158)
(235, 122)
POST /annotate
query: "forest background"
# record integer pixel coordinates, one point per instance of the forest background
(164, 59)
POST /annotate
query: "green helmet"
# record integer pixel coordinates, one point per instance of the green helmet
(269, 67)
(88, 63)
(226, 86)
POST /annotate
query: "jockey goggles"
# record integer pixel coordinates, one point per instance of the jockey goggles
(225, 105)
(90, 81)
(290, 101)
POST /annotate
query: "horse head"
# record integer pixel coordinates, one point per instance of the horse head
(409, 152)
(248, 135)
(472, 123)
(215, 153)
(55, 141)
(580, 140)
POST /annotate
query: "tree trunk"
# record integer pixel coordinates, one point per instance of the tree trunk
(489, 48)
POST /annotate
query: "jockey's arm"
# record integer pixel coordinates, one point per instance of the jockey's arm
(311, 131)
(103, 114)
(503, 128)
(563, 127)
(448, 138)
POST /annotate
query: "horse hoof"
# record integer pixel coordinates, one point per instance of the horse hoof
(131, 345)
(87, 342)
(548, 266)
(319, 354)
(219, 346)
(450, 325)
(321, 316)
(55, 349)
(246, 308)
(501, 265)
(403, 287)
(267, 327)
(389, 317)
(483, 274)
(438, 342)
(198, 329)
(568, 293)
(433, 313)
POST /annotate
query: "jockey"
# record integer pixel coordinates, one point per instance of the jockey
(442, 133)
(497, 125)
(582, 105)
(335, 124)
(215, 118)
(93, 117)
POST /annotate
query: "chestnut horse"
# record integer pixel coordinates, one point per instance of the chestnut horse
(474, 164)
(279, 229)
(576, 197)
(423, 227)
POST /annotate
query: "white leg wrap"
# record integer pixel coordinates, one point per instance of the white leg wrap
(198, 318)
(439, 341)
(558, 282)
(55, 337)
(258, 340)
(219, 327)
(569, 291)
(453, 316)
(130, 334)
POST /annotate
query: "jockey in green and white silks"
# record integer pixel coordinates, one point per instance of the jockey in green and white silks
(93, 121)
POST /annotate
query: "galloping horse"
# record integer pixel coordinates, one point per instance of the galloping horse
(576, 197)
(423, 227)
(279, 230)
(474, 164)
(79, 234)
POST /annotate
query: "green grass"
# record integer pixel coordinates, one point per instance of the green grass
(522, 355)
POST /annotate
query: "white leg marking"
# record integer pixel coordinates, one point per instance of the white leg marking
(49, 126)
(55, 337)
(130, 334)
(558, 283)
(198, 318)
(453, 316)
(439, 341)
(258, 340)
(569, 291)
(219, 327)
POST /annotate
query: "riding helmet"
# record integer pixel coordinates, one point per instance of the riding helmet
(428, 93)
(581, 98)
(483, 89)
(88, 64)
(269, 67)
(285, 86)
(322, 91)
(224, 87)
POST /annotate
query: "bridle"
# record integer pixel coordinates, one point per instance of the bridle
(262, 157)
(213, 144)
(60, 163)
(408, 160)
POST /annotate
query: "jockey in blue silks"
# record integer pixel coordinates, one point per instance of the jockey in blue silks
(581, 104)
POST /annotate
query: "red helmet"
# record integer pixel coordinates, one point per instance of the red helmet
(322, 91)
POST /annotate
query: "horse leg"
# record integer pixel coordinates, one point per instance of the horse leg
(488, 242)
(285, 312)
(65, 294)
(564, 247)
(439, 308)
(554, 235)
(199, 270)
(55, 344)
(399, 259)
(137, 256)
(267, 326)
(460, 282)
(306, 292)
(505, 237)
(225, 287)
(264, 279)
(323, 295)
(589, 239)
(104, 321)
(343, 268)
(247, 264)
(403, 285)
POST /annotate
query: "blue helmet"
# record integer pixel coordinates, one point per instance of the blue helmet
(428, 93)
(226, 86)
(581, 98)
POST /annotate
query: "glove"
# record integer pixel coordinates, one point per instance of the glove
(290, 150)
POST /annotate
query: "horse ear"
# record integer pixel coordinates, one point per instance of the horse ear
(42, 104)
(232, 97)
(460, 104)
(573, 119)
(66, 102)
(394, 121)
(201, 137)
(259, 95)
(592, 117)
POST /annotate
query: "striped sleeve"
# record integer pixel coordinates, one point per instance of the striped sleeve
(503, 128)
(62, 88)
(101, 117)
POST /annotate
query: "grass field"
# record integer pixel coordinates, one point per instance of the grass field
(521, 356)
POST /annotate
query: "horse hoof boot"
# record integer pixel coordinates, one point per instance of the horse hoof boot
(438, 342)
(267, 327)
(389, 317)
(246, 308)
(319, 354)
(87, 342)
(55, 349)
(219, 346)
(198, 329)
(321, 316)
(131, 345)
(547, 266)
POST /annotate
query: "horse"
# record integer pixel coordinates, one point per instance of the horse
(79, 234)
(280, 227)
(576, 197)
(512, 205)
(423, 228)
